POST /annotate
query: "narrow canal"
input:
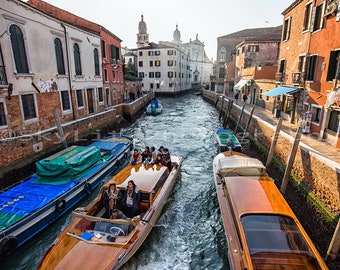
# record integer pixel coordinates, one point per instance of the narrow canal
(189, 233)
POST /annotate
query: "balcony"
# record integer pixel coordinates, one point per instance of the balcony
(280, 78)
(3, 77)
(298, 78)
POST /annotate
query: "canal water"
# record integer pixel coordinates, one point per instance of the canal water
(189, 233)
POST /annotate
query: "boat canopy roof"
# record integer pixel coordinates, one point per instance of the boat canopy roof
(145, 176)
(240, 165)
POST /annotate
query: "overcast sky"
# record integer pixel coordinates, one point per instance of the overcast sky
(208, 19)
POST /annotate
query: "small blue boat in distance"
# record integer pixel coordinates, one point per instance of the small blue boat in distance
(227, 140)
(60, 181)
(155, 107)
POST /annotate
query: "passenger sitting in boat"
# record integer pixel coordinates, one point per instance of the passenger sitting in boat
(112, 197)
(116, 213)
(131, 199)
(159, 160)
(148, 159)
(166, 157)
(136, 157)
(160, 150)
(145, 153)
(153, 153)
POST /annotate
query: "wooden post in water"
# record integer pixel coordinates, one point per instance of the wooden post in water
(217, 99)
(334, 246)
(230, 106)
(221, 111)
(274, 141)
(291, 160)
(60, 128)
(239, 118)
(249, 119)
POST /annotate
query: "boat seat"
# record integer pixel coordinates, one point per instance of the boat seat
(111, 228)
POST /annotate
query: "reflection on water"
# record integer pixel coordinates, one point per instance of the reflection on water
(189, 233)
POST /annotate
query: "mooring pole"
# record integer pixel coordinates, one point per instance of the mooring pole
(249, 119)
(60, 128)
(221, 108)
(274, 141)
(291, 160)
(334, 246)
(230, 106)
(239, 119)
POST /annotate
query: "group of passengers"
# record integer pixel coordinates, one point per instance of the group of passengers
(150, 156)
(118, 206)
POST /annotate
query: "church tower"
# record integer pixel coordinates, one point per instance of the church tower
(142, 36)
(177, 36)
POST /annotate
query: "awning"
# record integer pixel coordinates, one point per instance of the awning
(240, 84)
(281, 90)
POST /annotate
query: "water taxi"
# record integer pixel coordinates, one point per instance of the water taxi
(261, 229)
(94, 241)
(60, 181)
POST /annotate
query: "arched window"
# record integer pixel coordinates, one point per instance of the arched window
(96, 62)
(77, 62)
(223, 55)
(59, 56)
(18, 48)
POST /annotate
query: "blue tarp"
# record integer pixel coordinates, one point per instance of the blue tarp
(281, 90)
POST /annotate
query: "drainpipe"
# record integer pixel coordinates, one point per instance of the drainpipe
(69, 71)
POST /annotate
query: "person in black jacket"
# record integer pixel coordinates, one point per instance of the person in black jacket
(131, 199)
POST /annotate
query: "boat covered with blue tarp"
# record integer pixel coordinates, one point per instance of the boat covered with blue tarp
(155, 107)
(61, 180)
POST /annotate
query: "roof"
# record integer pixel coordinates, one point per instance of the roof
(263, 34)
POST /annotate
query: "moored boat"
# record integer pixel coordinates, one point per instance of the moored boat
(261, 230)
(60, 181)
(93, 241)
(226, 139)
(155, 107)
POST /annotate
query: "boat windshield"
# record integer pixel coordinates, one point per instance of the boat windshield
(274, 233)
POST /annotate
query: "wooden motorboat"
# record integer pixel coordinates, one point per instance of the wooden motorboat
(60, 181)
(155, 107)
(93, 241)
(226, 140)
(261, 229)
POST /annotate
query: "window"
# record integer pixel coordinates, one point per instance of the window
(115, 57)
(242, 49)
(334, 61)
(140, 63)
(150, 53)
(301, 63)
(151, 63)
(308, 15)
(141, 74)
(106, 78)
(318, 18)
(333, 123)
(170, 52)
(3, 121)
(158, 74)
(157, 53)
(316, 114)
(80, 99)
(286, 29)
(100, 95)
(170, 63)
(170, 85)
(96, 62)
(157, 85)
(282, 68)
(65, 100)
(140, 53)
(311, 62)
(77, 62)
(59, 56)
(157, 63)
(221, 73)
(253, 48)
(151, 74)
(103, 49)
(170, 74)
(223, 55)
(18, 48)
(28, 104)
(151, 85)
